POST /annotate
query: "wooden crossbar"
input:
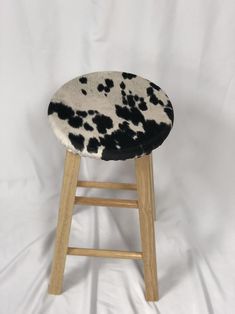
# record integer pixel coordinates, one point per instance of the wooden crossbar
(97, 201)
(107, 185)
(144, 188)
(104, 253)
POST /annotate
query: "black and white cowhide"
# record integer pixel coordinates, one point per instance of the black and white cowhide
(111, 115)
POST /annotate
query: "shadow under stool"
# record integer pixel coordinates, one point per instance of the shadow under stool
(110, 116)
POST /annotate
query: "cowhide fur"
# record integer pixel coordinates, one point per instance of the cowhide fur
(111, 115)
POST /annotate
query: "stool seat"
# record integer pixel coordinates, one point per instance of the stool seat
(111, 115)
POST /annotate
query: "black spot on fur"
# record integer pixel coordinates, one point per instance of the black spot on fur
(143, 106)
(169, 104)
(122, 85)
(102, 123)
(154, 86)
(132, 114)
(81, 113)
(100, 87)
(149, 91)
(128, 76)
(126, 139)
(88, 127)
(156, 132)
(93, 145)
(77, 141)
(109, 83)
(161, 103)
(121, 137)
(107, 87)
(91, 112)
(124, 126)
(84, 92)
(75, 122)
(130, 100)
(153, 99)
(124, 100)
(169, 111)
(83, 80)
(64, 112)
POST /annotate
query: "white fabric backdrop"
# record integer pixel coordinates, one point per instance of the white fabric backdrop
(188, 48)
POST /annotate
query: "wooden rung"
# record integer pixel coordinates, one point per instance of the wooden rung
(96, 201)
(107, 185)
(104, 253)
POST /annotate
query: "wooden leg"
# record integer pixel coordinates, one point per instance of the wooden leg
(143, 178)
(71, 168)
(152, 188)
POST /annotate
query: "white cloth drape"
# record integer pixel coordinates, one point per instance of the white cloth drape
(187, 48)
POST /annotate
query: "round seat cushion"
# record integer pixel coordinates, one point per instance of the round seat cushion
(111, 115)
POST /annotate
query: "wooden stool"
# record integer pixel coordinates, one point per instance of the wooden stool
(111, 116)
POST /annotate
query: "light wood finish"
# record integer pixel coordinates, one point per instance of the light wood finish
(104, 253)
(144, 188)
(72, 163)
(145, 203)
(97, 201)
(152, 189)
(107, 185)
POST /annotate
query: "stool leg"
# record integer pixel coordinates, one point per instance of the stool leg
(144, 188)
(67, 197)
(152, 188)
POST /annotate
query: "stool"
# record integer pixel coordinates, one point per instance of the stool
(109, 116)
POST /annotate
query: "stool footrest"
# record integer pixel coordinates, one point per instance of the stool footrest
(104, 253)
(107, 185)
(97, 201)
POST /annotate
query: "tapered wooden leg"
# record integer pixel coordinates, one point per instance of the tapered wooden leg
(71, 168)
(152, 188)
(144, 188)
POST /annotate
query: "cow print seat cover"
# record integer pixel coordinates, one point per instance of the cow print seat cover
(111, 115)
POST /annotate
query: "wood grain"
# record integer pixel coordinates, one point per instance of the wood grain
(144, 188)
(152, 189)
(104, 253)
(107, 185)
(71, 168)
(98, 201)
